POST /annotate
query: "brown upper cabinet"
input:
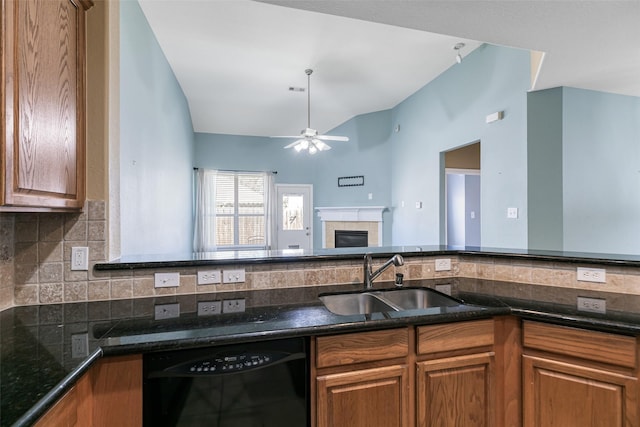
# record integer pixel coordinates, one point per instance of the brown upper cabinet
(43, 104)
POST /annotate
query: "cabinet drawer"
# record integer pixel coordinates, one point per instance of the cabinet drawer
(590, 345)
(361, 347)
(455, 336)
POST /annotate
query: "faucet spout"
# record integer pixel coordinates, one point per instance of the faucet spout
(370, 276)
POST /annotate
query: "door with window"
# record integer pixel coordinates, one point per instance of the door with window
(294, 216)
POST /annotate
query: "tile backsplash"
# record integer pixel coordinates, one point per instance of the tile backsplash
(38, 268)
(35, 254)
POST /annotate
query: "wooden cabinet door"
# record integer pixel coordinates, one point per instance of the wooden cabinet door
(377, 397)
(456, 391)
(43, 103)
(569, 395)
(109, 394)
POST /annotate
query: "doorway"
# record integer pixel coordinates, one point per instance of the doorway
(294, 216)
(461, 205)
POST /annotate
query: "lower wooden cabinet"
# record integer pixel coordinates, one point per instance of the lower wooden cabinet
(564, 394)
(578, 378)
(362, 379)
(364, 398)
(455, 374)
(109, 394)
(435, 375)
(456, 391)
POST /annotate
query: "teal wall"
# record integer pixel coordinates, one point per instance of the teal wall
(544, 157)
(584, 173)
(448, 113)
(156, 145)
(366, 153)
(601, 172)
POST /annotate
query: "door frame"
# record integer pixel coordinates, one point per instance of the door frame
(278, 227)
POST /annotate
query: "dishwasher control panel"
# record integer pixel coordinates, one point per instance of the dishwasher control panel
(216, 364)
(230, 363)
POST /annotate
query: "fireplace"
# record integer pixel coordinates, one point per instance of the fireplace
(351, 238)
(362, 218)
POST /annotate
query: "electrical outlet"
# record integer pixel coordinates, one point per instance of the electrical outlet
(80, 258)
(445, 289)
(79, 345)
(233, 276)
(512, 213)
(592, 305)
(209, 308)
(167, 280)
(443, 264)
(598, 275)
(233, 305)
(167, 311)
(209, 277)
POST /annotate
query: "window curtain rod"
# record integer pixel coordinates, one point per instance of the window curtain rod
(242, 171)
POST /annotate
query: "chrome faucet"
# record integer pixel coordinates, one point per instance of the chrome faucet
(370, 276)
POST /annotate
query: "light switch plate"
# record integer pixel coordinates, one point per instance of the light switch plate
(167, 280)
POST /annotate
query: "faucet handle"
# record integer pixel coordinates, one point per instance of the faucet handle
(399, 279)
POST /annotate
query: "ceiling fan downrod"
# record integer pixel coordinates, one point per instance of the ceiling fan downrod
(308, 72)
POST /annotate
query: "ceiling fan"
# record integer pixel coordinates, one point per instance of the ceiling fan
(309, 138)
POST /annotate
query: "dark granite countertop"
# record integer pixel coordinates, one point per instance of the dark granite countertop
(299, 255)
(45, 349)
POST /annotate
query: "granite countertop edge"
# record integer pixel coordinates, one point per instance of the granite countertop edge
(270, 257)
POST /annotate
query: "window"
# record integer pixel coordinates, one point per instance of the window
(240, 210)
(233, 210)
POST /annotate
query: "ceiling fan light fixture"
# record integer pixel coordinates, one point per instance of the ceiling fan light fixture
(310, 140)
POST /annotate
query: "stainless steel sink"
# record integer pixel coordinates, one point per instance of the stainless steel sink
(385, 301)
(355, 303)
(417, 298)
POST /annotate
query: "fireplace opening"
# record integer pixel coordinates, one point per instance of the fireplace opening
(351, 238)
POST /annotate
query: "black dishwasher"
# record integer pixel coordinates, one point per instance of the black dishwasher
(254, 384)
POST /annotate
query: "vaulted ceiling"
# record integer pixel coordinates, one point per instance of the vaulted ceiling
(237, 59)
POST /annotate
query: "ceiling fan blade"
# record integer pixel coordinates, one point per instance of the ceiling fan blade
(333, 138)
(285, 136)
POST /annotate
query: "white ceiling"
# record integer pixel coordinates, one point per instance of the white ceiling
(236, 59)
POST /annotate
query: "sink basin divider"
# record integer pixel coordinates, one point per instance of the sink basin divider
(378, 295)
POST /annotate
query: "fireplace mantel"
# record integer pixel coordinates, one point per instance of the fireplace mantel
(358, 213)
(337, 218)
